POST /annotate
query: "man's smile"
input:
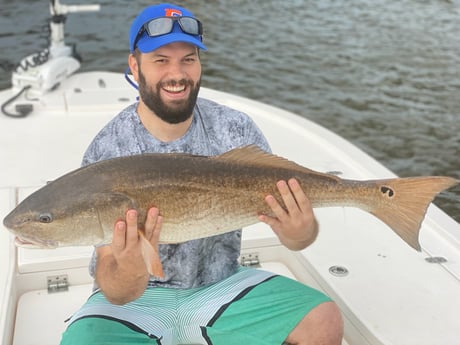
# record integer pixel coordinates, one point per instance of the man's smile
(174, 89)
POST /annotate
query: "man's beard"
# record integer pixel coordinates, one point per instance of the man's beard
(179, 111)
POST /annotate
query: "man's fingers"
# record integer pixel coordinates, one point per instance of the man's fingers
(300, 197)
(286, 194)
(278, 211)
(119, 236)
(126, 233)
(270, 221)
(131, 227)
(151, 222)
(156, 231)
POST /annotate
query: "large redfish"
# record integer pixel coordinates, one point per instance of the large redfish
(202, 196)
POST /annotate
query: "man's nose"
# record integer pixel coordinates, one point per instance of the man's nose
(176, 70)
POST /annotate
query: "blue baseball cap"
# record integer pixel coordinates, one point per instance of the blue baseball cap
(146, 44)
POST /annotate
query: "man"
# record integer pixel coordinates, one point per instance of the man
(205, 297)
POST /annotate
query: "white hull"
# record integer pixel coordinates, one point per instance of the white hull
(391, 294)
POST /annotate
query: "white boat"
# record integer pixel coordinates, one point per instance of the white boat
(388, 292)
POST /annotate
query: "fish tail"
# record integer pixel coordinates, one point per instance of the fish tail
(151, 257)
(405, 201)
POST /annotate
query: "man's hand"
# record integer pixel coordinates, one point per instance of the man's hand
(296, 226)
(121, 272)
(127, 246)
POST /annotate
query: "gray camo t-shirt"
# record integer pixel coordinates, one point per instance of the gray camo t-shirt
(215, 129)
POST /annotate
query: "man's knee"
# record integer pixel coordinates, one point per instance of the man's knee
(322, 325)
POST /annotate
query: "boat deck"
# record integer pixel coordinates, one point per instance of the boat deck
(59, 306)
(390, 293)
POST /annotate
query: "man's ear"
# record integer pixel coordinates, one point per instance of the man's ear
(133, 66)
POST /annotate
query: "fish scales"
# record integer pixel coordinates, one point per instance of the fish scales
(212, 196)
(203, 196)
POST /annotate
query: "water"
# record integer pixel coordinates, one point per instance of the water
(383, 74)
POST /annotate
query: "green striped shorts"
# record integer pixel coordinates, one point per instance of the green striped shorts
(250, 307)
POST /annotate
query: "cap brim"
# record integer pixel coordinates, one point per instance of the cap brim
(148, 44)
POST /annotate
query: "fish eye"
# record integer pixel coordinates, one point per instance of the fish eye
(45, 218)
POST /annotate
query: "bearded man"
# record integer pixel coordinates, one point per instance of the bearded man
(205, 296)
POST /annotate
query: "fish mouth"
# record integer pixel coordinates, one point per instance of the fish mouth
(33, 243)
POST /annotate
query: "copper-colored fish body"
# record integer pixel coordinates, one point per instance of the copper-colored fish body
(202, 196)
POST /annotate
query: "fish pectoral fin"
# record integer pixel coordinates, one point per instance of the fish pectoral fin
(109, 206)
(151, 257)
(119, 203)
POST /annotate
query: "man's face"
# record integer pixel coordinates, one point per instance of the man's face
(169, 81)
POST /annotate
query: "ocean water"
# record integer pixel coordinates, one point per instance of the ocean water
(383, 74)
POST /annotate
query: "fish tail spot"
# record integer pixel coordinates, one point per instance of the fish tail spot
(387, 191)
(407, 200)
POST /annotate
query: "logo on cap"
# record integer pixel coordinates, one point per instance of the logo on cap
(173, 12)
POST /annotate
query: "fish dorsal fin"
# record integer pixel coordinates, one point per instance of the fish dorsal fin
(257, 157)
